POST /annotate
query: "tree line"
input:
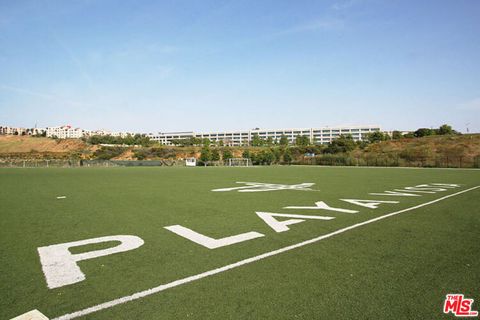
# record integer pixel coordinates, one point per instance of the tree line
(129, 140)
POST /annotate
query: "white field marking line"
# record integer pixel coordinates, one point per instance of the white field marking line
(380, 167)
(202, 275)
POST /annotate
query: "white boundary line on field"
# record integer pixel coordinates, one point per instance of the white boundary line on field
(382, 167)
(240, 263)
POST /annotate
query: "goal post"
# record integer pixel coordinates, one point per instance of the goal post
(238, 162)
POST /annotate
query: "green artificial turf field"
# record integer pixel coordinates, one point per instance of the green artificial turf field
(400, 267)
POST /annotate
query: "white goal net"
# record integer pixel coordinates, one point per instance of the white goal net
(238, 162)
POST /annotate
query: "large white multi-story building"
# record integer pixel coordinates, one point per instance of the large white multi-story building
(322, 135)
(65, 132)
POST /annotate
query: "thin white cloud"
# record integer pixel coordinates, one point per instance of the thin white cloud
(330, 21)
(46, 96)
(78, 64)
(142, 50)
(343, 5)
(156, 48)
(315, 25)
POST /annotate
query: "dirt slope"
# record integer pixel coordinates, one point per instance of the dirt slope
(20, 144)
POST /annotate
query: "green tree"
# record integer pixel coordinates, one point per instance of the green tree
(257, 141)
(268, 157)
(423, 132)
(396, 135)
(205, 155)
(269, 141)
(227, 154)
(283, 140)
(302, 141)
(287, 156)
(277, 152)
(263, 157)
(137, 139)
(206, 142)
(246, 154)
(342, 144)
(376, 136)
(215, 155)
(445, 129)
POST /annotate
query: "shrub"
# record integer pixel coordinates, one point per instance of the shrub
(107, 153)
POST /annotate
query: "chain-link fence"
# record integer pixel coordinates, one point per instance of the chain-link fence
(372, 160)
(387, 160)
(87, 163)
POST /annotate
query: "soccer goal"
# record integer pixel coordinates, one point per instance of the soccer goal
(238, 162)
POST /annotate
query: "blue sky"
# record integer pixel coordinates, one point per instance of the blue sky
(149, 66)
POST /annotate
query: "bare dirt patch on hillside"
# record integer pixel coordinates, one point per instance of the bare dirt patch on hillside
(26, 144)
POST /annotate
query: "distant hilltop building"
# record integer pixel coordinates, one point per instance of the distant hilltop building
(68, 132)
(322, 135)
(6, 130)
(65, 132)
(61, 132)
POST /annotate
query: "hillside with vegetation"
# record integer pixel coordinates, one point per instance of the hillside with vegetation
(442, 147)
(29, 147)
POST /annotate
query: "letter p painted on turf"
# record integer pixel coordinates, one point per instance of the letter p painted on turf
(60, 266)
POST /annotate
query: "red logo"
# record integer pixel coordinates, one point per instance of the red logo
(459, 306)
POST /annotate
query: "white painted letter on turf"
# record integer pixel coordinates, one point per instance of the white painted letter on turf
(212, 243)
(372, 204)
(262, 187)
(281, 226)
(320, 205)
(446, 185)
(60, 266)
(395, 193)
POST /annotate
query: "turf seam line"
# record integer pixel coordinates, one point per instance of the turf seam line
(144, 293)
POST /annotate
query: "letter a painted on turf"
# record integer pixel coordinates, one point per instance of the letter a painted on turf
(371, 204)
(395, 193)
(281, 226)
(320, 205)
(60, 266)
(212, 243)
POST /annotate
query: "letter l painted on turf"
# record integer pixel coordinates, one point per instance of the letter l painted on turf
(281, 226)
(212, 243)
